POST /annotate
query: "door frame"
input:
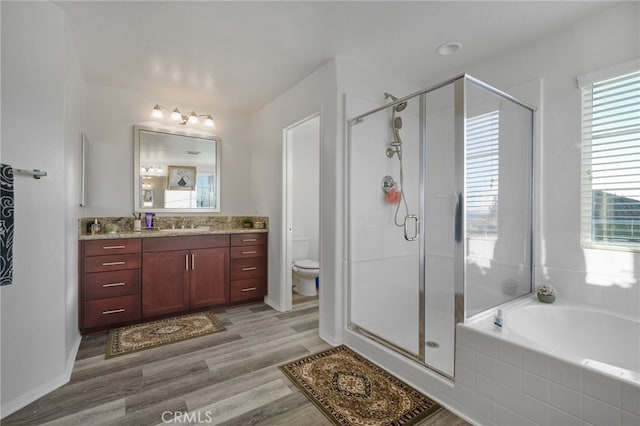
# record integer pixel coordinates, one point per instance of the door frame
(286, 299)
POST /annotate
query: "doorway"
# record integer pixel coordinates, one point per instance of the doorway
(301, 205)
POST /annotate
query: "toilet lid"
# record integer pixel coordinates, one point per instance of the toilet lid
(307, 264)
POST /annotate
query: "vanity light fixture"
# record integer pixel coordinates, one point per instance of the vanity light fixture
(148, 170)
(176, 115)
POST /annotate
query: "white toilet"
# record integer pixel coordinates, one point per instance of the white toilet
(304, 270)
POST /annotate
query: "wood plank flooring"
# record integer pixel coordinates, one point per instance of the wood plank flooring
(229, 378)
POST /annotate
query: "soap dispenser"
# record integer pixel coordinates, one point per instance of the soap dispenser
(95, 227)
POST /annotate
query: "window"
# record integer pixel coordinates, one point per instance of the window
(610, 209)
(482, 174)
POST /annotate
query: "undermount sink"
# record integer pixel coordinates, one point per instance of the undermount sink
(187, 230)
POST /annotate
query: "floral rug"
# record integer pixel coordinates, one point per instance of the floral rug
(352, 391)
(156, 333)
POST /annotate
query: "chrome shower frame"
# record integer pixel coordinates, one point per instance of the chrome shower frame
(460, 284)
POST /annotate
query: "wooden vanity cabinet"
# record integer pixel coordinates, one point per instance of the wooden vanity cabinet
(248, 267)
(209, 277)
(182, 273)
(128, 280)
(165, 283)
(109, 282)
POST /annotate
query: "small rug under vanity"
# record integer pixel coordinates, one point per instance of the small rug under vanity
(351, 390)
(137, 337)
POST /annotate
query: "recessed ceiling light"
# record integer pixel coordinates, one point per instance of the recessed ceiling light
(450, 48)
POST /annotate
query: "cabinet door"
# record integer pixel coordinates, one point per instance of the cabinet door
(209, 279)
(165, 282)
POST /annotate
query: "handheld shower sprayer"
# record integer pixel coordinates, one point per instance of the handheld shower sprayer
(396, 124)
(395, 147)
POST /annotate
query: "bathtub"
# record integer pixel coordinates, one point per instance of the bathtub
(592, 338)
(558, 364)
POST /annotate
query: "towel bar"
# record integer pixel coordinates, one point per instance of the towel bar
(37, 174)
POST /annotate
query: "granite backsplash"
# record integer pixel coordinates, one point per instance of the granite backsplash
(168, 222)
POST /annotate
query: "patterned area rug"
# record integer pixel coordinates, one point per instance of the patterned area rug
(137, 337)
(352, 391)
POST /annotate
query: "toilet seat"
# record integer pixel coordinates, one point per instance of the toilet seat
(306, 264)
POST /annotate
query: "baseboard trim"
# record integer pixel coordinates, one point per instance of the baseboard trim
(328, 339)
(273, 304)
(40, 391)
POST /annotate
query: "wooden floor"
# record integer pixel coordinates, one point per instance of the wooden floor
(232, 375)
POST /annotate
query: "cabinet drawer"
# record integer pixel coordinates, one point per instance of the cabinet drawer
(248, 240)
(248, 252)
(111, 263)
(248, 268)
(101, 285)
(185, 243)
(111, 311)
(251, 288)
(106, 247)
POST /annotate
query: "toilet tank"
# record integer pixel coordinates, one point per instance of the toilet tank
(300, 247)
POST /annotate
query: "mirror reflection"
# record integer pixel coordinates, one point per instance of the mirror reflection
(175, 172)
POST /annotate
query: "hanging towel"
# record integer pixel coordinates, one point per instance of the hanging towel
(6, 224)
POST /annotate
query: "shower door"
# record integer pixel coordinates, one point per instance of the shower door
(439, 225)
(385, 235)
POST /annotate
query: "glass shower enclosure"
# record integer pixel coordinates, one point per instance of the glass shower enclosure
(439, 215)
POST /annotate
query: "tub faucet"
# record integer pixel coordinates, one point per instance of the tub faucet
(498, 320)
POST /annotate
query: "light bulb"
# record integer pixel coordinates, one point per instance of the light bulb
(209, 121)
(157, 112)
(193, 118)
(176, 115)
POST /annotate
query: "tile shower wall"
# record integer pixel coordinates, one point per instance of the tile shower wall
(618, 292)
(506, 384)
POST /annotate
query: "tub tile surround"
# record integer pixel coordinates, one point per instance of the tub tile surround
(618, 292)
(530, 387)
(215, 223)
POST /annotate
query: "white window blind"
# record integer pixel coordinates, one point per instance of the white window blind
(610, 193)
(483, 137)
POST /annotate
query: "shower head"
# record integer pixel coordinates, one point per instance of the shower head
(400, 107)
(397, 123)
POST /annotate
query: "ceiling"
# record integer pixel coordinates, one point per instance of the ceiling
(241, 55)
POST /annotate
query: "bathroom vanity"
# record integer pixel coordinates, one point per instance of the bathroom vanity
(131, 277)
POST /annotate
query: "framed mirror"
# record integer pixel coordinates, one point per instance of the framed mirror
(175, 172)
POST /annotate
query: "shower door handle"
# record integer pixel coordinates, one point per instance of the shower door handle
(416, 232)
(458, 217)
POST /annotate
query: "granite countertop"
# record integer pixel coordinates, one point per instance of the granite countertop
(171, 233)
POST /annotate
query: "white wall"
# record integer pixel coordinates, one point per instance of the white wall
(75, 117)
(40, 108)
(306, 183)
(112, 113)
(316, 93)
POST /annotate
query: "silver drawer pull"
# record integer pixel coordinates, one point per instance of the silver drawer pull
(248, 289)
(113, 263)
(253, 268)
(249, 252)
(113, 311)
(249, 239)
(113, 285)
(112, 247)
